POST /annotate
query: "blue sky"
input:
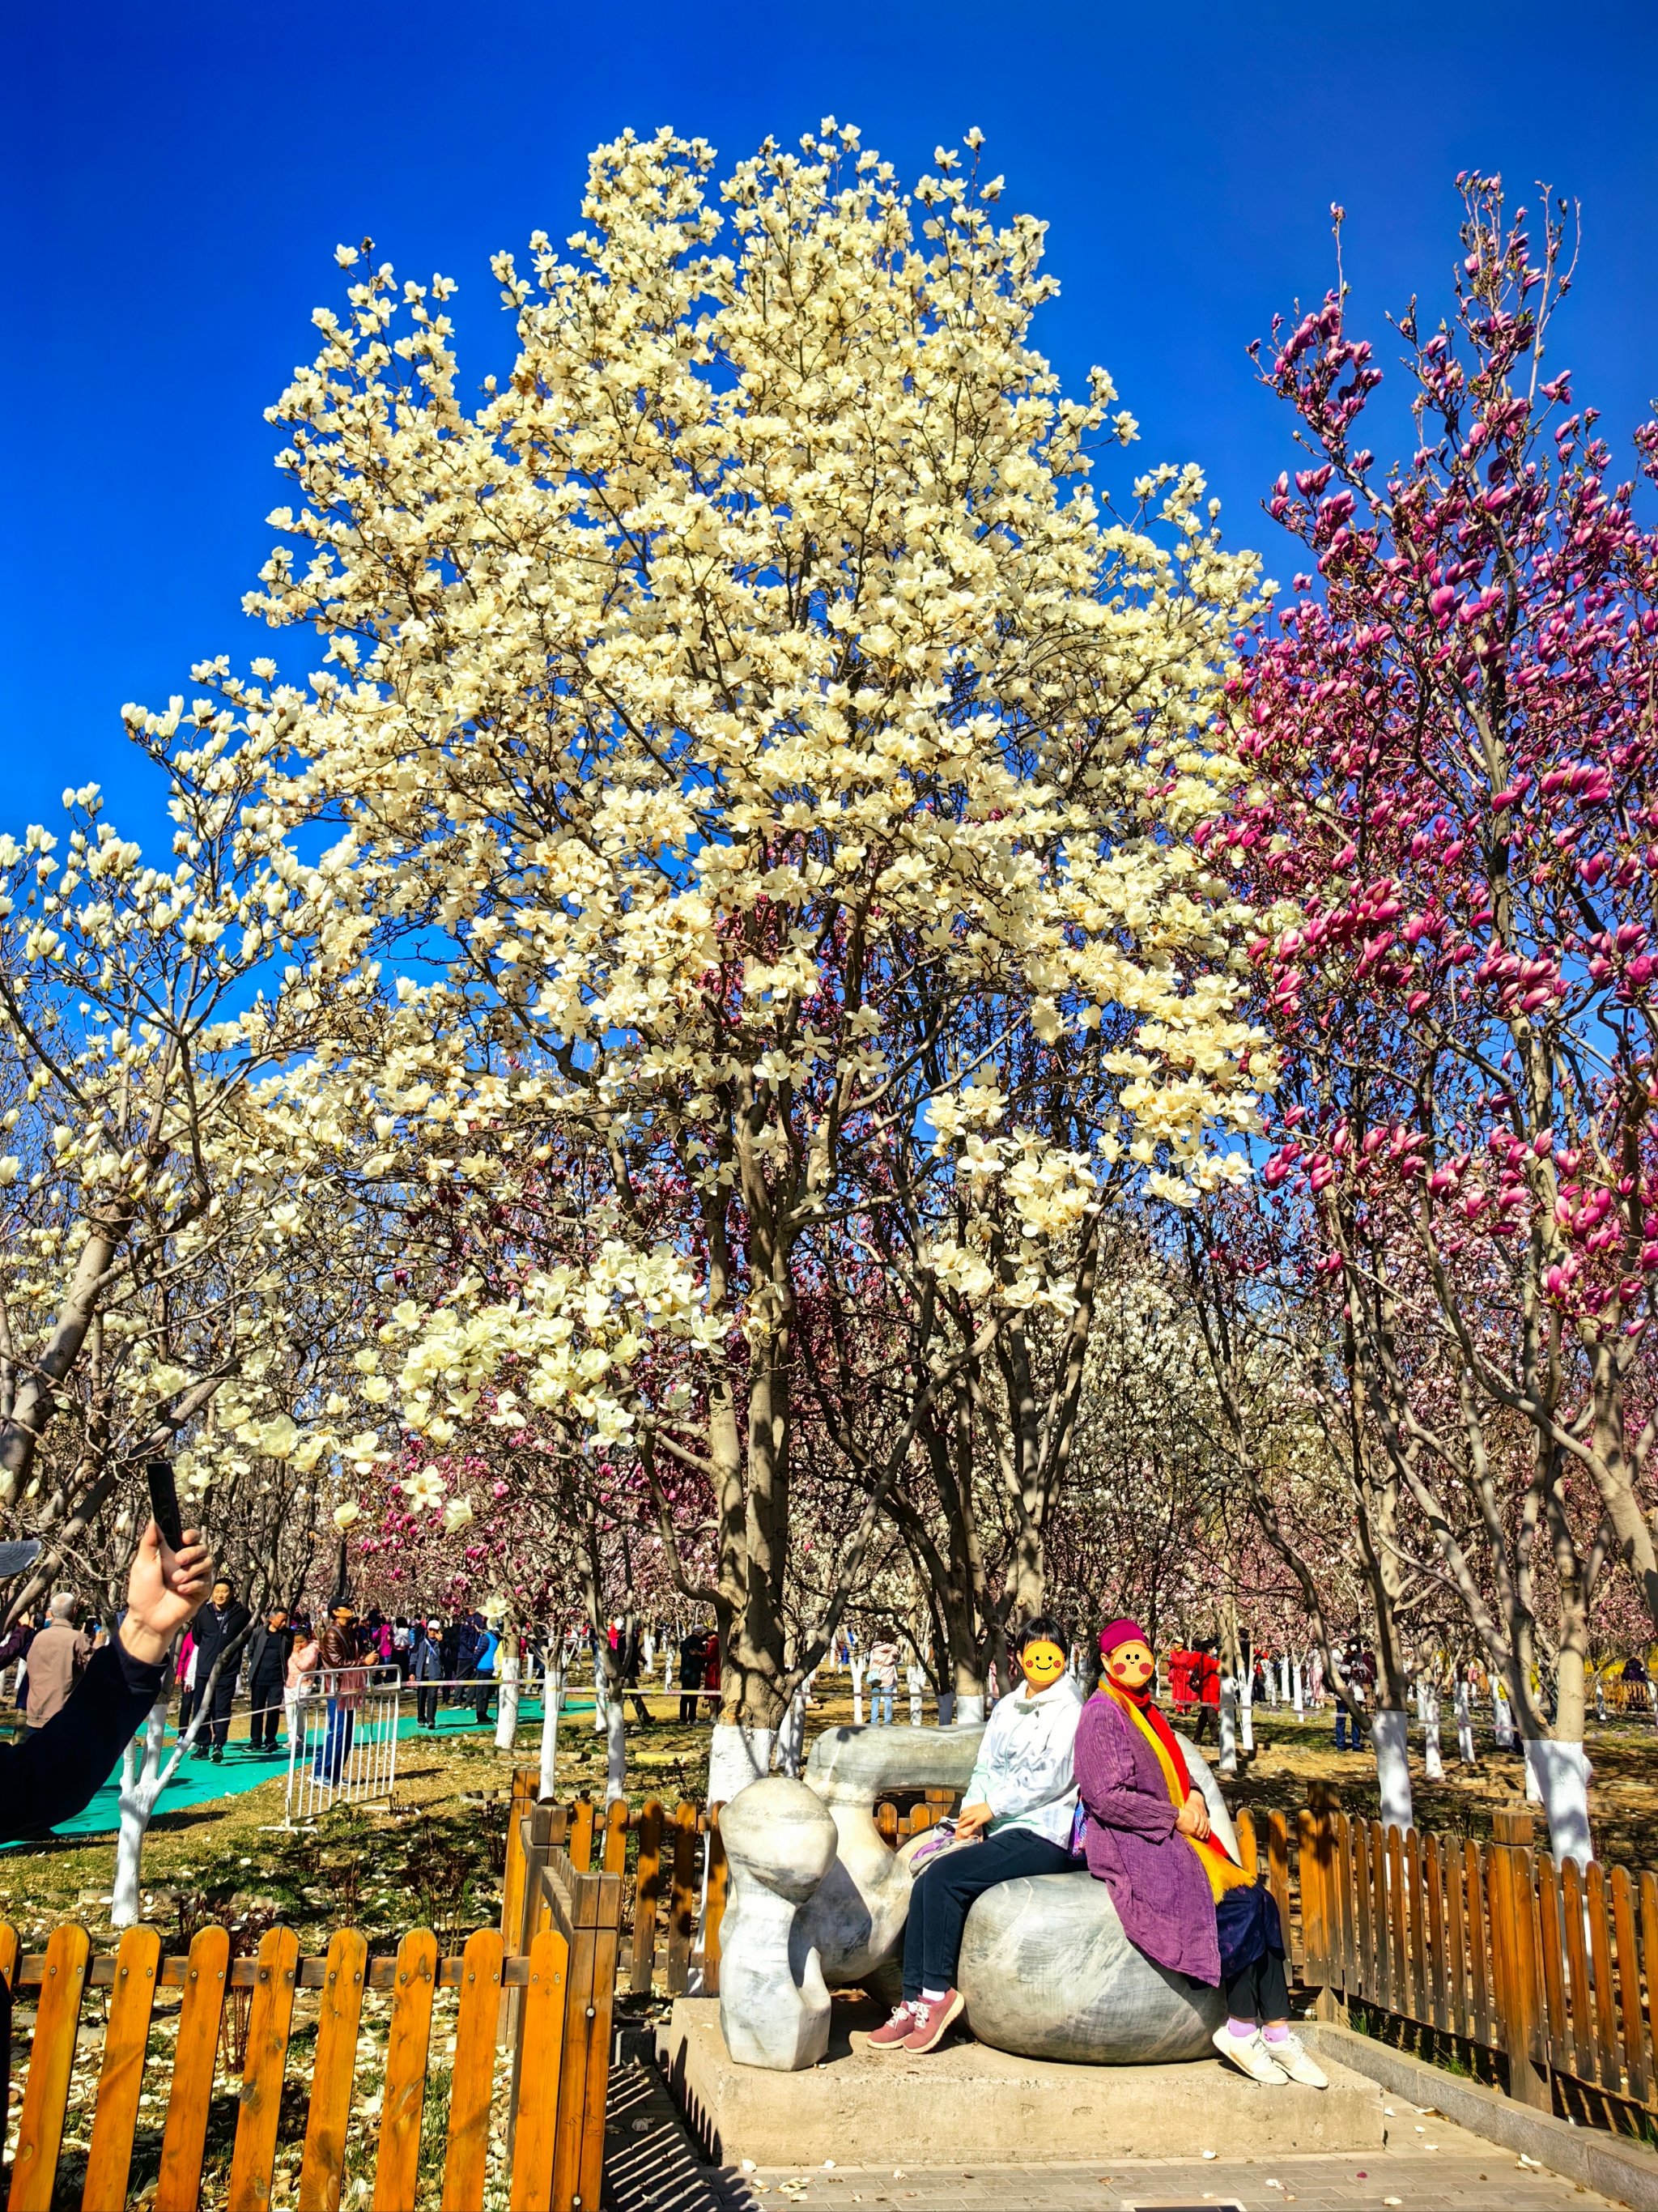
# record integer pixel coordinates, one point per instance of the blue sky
(176, 178)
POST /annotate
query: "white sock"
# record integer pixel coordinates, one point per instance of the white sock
(933, 1996)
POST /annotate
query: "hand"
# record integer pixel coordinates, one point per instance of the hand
(1193, 1819)
(972, 1822)
(165, 1590)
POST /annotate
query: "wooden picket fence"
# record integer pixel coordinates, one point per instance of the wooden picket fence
(1549, 1969)
(555, 2146)
(668, 1868)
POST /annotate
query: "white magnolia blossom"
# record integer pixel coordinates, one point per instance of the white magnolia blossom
(751, 731)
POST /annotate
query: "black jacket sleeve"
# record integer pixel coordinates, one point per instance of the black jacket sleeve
(58, 1771)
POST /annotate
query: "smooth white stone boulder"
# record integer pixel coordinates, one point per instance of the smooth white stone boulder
(856, 1918)
(1048, 1972)
(774, 2006)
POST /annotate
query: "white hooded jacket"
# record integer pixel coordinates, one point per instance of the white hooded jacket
(1023, 1771)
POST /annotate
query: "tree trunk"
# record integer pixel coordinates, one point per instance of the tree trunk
(1389, 1741)
(552, 1695)
(1560, 1772)
(1433, 1765)
(506, 1724)
(616, 1751)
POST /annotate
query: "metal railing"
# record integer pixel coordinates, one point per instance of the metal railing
(342, 1741)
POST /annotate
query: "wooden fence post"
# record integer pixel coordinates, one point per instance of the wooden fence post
(647, 1895)
(682, 1898)
(1516, 1966)
(1320, 1910)
(46, 2093)
(524, 1797)
(714, 1908)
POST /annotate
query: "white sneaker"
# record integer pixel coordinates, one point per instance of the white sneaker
(1297, 2062)
(1249, 2054)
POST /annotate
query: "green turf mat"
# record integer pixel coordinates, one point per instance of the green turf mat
(203, 1782)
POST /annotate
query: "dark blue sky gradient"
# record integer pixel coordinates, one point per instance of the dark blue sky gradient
(177, 178)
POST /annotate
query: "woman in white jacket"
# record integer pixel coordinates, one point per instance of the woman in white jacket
(1017, 1815)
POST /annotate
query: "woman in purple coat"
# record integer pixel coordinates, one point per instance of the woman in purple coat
(1181, 1897)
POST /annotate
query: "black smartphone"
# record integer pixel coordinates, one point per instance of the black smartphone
(164, 1502)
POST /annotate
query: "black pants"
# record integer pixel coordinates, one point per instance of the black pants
(267, 1711)
(1251, 1941)
(939, 1901)
(426, 1706)
(486, 1691)
(689, 1703)
(224, 1696)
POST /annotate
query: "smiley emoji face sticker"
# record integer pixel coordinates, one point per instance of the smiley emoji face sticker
(1043, 1662)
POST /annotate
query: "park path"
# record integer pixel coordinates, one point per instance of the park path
(1483, 2180)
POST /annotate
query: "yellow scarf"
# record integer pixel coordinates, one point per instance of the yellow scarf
(1222, 1872)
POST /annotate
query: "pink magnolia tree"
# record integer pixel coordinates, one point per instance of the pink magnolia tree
(1456, 813)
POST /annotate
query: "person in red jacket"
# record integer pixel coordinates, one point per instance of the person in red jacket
(1181, 1693)
(1205, 1690)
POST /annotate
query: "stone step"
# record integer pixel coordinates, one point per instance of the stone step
(966, 2103)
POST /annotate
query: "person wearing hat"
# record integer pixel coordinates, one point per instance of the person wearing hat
(1180, 1896)
(59, 1769)
(428, 1673)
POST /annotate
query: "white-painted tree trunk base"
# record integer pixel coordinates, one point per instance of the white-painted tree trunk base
(1562, 1773)
(792, 1736)
(143, 1780)
(1393, 1768)
(969, 1710)
(1247, 1712)
(507, 1721)
(1227, 1763)
(1502, 1721)
(736, 1756)
(552, 1693)
(601, 1700)
(1297, 1693)
(616, 1754)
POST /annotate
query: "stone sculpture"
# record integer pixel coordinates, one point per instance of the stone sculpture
(779, 1844)
(1048, 1972)
(819, 1898)
(856, 1918)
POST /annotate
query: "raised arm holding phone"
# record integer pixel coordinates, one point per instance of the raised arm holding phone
(60, 1768)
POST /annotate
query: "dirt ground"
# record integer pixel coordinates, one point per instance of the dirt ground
(435, 1860)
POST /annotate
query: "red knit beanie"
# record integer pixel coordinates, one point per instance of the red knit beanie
(1118, 1633)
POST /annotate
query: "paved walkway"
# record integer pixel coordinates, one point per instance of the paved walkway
(1457, 2180)
(1429, 2166)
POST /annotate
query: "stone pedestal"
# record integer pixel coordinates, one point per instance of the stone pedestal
(969, 2106)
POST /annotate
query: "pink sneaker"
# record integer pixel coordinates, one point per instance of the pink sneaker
(932, 2021)
(897, 2031)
